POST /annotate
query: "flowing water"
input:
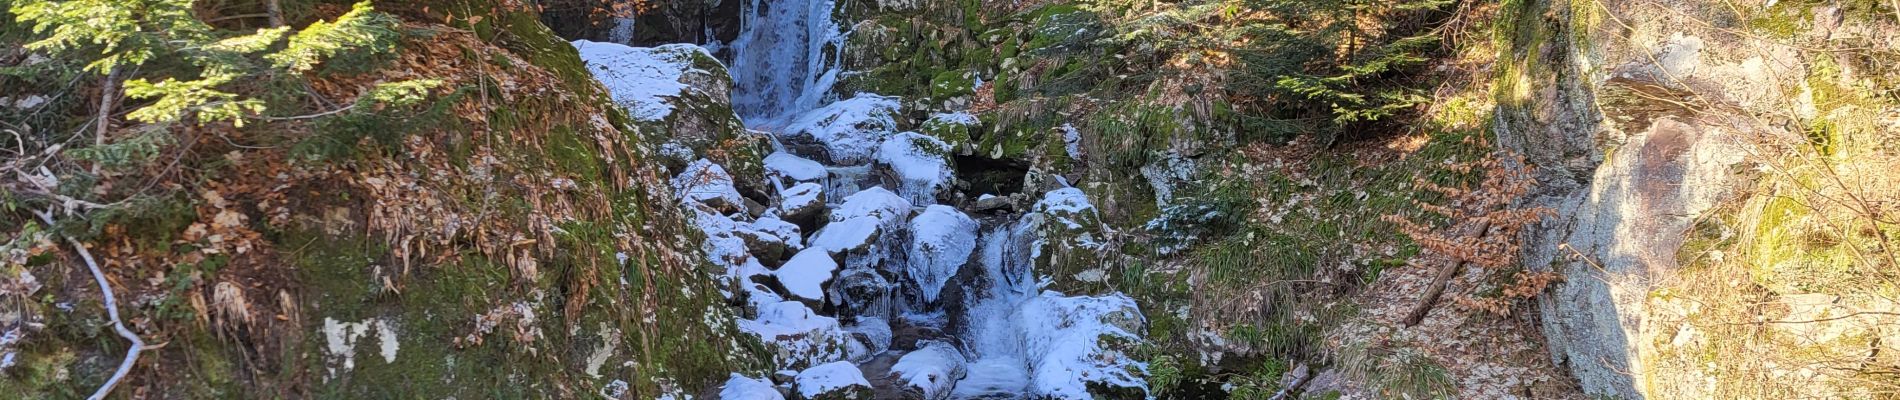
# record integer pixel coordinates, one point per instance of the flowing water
(919, 296)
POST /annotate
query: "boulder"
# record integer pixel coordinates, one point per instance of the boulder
(832, 381)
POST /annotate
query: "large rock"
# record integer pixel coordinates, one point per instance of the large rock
(798, 336)
(942, 239)
(849, 130)
(802, 204)
(930, 372)
(832, 381)
(920, 163)
(806, 275)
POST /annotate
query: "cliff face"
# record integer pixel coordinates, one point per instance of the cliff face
(1675, 139)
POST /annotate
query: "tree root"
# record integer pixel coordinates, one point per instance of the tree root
(112, 310)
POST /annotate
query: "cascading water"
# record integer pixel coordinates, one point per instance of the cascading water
(779, 66)
(854, 264)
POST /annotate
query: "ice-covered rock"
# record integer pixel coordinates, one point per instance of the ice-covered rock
(849, 130)
(832, 381)
(932, 371)
(889, 208)
(798, 336)
(792, 169)
(861, 291)
(942, 239)
(1075, 342)
(739, 387)
(921, 164)
(705, 182)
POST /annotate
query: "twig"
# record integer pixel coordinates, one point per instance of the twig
(112, 310)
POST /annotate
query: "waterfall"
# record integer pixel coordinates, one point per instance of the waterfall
(779, 66)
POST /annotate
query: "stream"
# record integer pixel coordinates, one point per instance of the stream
(862, 274)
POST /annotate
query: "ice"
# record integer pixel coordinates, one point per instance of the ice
(739, 387)
(829, 378)
(641, 78)
(919, 162)
(933, 369)
(995, 377)
(1072, 141)
(1063, 340)
(794, 168)
(889, 209)
(779, 63)
(942, 239)
(804, 276)
(849, 129)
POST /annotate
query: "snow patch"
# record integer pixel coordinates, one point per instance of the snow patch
(805, 274)
(828, 378)
(739, 387)
(794, 168)
(641, 79)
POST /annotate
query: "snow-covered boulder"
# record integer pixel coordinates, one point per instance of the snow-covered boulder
(791, 169)
(848, 236)
(799, 337)
(802, 204)
(847, 131)
(1079, 347)
(769, 239)
(921, 164)
(739, 387)
(806, 274)
(930, 372)
(832, 381)
(707, 183)
(890, 209)
(941, 240)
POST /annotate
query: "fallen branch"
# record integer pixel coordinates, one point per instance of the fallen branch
(1440, 281)
(112, 310)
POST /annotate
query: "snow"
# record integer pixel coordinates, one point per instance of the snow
(1072, 141)
(801, 336)
(799, 197)
(919, 162)
(933, 369)
(804, 276)
(942, 239)
(707, 183)
(995, 377)
(827, 378)
(641, 78)
(889, 209)
(1065, 205)
(846, 236)
(778, 228)
(959, 118)
(794, 168)
(849, 129)
(1062, 337)
(739, 387)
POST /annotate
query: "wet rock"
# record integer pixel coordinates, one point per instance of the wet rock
(770, 240)
(988, 203)
(832, 381)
